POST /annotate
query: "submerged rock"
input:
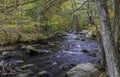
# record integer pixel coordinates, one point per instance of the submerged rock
(83, 70)
(85, 51)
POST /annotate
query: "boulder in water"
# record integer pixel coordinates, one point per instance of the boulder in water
(83, 70)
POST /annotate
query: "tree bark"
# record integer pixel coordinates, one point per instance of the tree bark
(108, 40)
(20, 13)
(116, 29)
(75, 15)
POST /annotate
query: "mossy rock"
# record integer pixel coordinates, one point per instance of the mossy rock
(58, 43)
(57, 35)
(43, 37)
(77, 38)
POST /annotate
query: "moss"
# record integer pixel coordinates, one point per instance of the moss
(58, 43)
(41, 36)
(78, 38)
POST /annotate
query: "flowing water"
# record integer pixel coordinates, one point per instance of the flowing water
(69, 55)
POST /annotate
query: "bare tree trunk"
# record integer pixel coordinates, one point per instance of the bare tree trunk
(20, 21)
(108, 40)
(5, 13)
(90, 13)
(20, 13)
(75, 15)
(101, 48)
(116, 25)
(116, 30)
(38, 19)
(14, 2)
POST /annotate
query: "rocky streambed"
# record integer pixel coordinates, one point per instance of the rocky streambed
(49, 60)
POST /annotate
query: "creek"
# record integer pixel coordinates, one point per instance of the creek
(69, 54)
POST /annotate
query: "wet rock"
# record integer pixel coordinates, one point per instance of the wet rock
(24, 75)
(31, 48)
(57, 35)
(43, 74)
(9, 55)
(83, 39)
(6, 55)
(78, 38)
(31, 51)
(73, 65)
(83, 70)
(29, 67)
(74, 31)
(92, 54)
(89, 34)
(58, 43)
(7, 75)
(44, 51)
(54, 63)
(65, 67)
(10, 62)
(84, 31)
(85, 51)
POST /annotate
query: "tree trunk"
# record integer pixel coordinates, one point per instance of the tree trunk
(116, 28)
(108, 40)
(20, 13)
(75, 15)
(100, 46)
(38, 18)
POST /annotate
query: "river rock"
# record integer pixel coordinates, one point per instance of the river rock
(92, 54)
(43, 74)
(57, 35)
(85, 51)
(29, 67)
(23, 75)
(83, 70)
(31, 48)
(9, 55)
(89, 34)
(7, 75)
(31, 51)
